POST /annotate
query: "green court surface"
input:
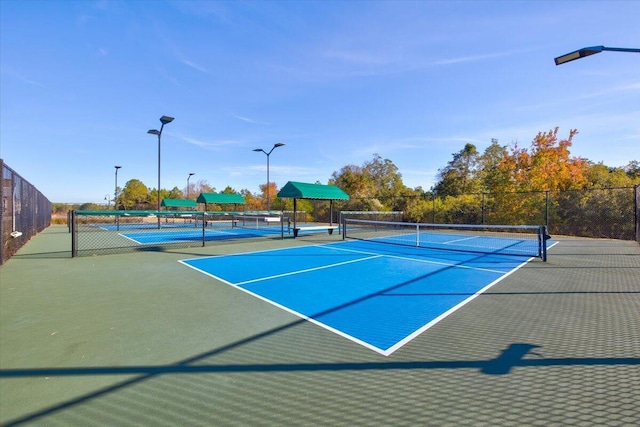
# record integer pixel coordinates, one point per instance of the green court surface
(139, 339)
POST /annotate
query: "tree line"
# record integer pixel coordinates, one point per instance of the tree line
(507, 184)
(502, 184)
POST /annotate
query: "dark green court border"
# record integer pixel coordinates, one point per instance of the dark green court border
(138, 339)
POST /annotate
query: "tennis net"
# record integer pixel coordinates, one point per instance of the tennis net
(103, 232)
(264, 223)
(520, 240)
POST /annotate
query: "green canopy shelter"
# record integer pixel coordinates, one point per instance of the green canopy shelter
(221, 199)
(301, 190)
(179, 203)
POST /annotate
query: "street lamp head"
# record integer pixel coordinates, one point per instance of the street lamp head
(166, 119)
(191, 173)
(117, 167)
(154, 131)
(279, 144)
(577, 54)
(258, 150)
(588, 51)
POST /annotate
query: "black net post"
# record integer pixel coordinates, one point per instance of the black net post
(204, 227)
(542, 239)
(483, 208)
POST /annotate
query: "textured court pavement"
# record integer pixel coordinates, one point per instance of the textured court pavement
(138, 339)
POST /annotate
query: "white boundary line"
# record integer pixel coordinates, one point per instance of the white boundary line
(425, 261)
(459, 240)
(293, 273)
(452, 310)
(391, 349)
(289, 310)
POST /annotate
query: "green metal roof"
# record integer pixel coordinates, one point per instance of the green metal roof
(302, 190)
(179, 203)
(220, 198)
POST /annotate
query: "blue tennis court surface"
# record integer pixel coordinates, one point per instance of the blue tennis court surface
(178, 235)
(379, 296)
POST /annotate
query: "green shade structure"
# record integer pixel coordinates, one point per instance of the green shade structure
(302, 190)
(220, 199)
(179, 203)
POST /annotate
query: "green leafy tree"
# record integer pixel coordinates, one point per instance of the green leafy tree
(135, 195)
(460, 174)
(416, 205)
(175, 193)
(90, 207)
(633, 170)
(373, 186)
(489, 163)
(384, 178)
(352, 180)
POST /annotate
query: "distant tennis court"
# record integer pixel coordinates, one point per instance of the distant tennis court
(168, 235)
(377, 295)
(116, 231)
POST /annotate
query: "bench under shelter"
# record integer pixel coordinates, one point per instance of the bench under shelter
(302, 190)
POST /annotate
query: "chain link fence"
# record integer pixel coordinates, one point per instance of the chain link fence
(110, 232)
(598, 212)
(25, 212)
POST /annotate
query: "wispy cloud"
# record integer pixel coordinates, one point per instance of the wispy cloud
(361, 57)
(249, 120)
(633, 87)
(479, 57)
(17, 75)
(290, 171)
(209, 145)
(193, 65)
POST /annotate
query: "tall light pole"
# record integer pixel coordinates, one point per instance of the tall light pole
(115, 193)
(279, 144)
(588, 51)
(188, 178)
(164, 120)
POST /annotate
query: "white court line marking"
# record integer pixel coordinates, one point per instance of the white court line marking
(378, 350)
(425, 261)
(131, 238)
(451, 310)
(459, 240)
(322, 267)
(159, 234)
(289, 310)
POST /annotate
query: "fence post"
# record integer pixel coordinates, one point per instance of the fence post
(636, 213)
(433, 207)
(546, 209)
(74, 235)
(204, 226)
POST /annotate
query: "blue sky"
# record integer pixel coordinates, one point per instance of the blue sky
(81, 82)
